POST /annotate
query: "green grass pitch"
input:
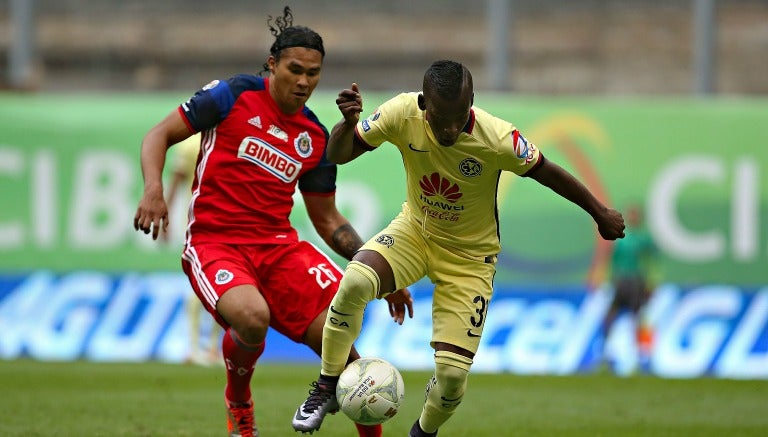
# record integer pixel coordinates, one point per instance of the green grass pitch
(156, 399)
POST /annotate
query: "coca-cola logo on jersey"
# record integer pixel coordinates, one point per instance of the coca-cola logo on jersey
(269, 158)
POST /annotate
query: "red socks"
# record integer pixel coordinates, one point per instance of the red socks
(368, 430)
(240, 359)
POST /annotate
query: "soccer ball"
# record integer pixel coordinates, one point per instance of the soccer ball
(370, 391)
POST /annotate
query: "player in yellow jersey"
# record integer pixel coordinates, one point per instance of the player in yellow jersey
(184, 163)
(448, 230)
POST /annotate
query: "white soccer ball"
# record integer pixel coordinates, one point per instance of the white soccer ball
(370, 391)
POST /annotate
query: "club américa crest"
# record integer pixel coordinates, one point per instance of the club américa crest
(386, 240)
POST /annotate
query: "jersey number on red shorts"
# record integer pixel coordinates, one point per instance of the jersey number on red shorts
(323, 275)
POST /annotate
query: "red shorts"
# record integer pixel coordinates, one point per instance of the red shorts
(297, 280)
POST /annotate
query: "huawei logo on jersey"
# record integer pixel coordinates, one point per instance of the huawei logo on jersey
(437, 185)
(266, 156)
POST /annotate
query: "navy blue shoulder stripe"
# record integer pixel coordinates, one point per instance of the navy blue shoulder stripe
(313, 118)
(212, 104)
(245, 82)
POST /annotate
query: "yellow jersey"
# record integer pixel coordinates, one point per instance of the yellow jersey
(451, 191)
(185, 158)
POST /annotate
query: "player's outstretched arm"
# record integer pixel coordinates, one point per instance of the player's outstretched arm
(341, 144)
(609, 222)
(152, 212)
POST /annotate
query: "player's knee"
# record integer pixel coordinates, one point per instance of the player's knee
(360, 284)
(245, 312)
(451, 371)
(251, 325)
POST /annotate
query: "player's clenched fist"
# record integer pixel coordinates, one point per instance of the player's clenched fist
(350, 103)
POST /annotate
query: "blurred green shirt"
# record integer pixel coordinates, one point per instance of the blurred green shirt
(633, 255)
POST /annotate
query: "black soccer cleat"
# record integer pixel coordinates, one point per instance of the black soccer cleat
(416, 431)
(321, 401)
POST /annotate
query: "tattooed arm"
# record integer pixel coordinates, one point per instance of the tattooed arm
(332, 227)
(346, 241)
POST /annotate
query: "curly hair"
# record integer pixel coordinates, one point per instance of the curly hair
(287, 35)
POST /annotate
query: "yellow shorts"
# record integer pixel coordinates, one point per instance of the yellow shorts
(463, 283)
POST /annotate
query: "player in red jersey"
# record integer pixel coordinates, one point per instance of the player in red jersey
(242, 256)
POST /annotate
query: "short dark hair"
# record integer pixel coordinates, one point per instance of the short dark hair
(287, 35)
(447, 79)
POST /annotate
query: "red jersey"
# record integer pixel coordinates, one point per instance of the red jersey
(252, 157)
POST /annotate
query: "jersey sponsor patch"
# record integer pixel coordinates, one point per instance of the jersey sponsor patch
(436, 185)
(531, 153)
(277, 132)
(439, 196)
(366, 126)
(523, 149)
(211, 85)
(520, 144)
(268, 157)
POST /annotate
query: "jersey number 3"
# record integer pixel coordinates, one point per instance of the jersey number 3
(481, 308)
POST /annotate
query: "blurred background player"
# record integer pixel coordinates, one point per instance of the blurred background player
(183, 170)
(242, 256)
(448, 230)
(633, 277)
